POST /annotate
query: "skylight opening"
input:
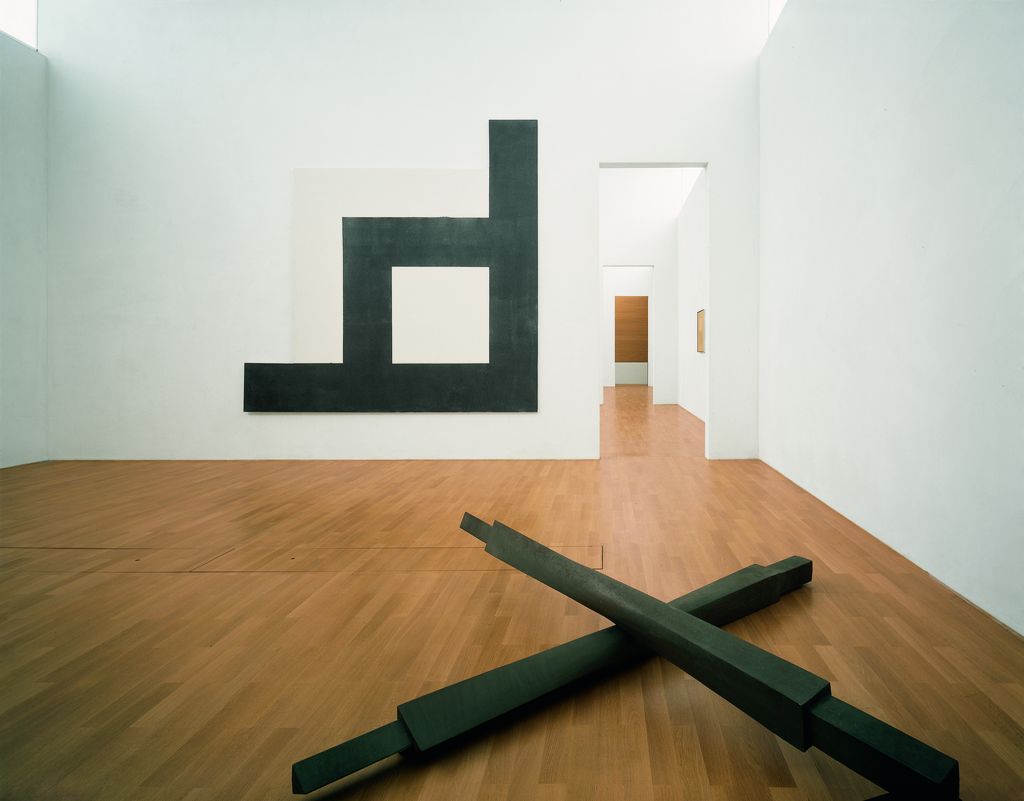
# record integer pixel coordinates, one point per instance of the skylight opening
(18, 19)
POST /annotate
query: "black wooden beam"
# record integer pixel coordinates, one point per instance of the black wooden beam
(454, 710)
(790, 701)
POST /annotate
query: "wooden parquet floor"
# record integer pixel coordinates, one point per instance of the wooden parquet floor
(187, 630)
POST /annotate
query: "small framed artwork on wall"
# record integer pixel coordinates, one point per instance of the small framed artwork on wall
(700, 331)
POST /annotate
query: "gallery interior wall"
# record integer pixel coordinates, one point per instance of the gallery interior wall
(693, 270)
(175, 129)
(892, 278)
(23, 422)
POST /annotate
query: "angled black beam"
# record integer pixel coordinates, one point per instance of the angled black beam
(790, 701)
(774, 692)
(454, 710)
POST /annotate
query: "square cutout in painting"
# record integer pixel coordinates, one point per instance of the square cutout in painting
(440, 315)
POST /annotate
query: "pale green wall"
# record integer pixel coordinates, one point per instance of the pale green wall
(23, 424)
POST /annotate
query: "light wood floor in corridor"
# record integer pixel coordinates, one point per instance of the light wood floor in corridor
(187, 630)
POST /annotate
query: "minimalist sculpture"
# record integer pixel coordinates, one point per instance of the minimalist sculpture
(791, 702)
(446, 713)
(505, 242)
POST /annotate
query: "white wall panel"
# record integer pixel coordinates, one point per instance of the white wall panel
(693, 233)
(892, 284)
(440, 315)
(23, 425)
(631, 373)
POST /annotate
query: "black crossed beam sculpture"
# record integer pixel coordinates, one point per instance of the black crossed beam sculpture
(791, 702)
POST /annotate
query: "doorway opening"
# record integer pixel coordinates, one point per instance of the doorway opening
(627, 324)
(653, 249)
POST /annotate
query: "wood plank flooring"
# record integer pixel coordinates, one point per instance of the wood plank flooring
(187, 630)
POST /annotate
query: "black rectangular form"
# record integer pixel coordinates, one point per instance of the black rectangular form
(505, 242)
(774, 692)
(459, 708)
(790, 701)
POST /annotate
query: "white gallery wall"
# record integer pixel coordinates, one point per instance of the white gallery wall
(639, 207)
(22, 254)
(175, 129)
(892, 277)
(693, 268)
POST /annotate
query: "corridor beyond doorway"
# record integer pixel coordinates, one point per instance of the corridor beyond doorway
(632, 425)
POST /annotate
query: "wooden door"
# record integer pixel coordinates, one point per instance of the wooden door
(630, 328)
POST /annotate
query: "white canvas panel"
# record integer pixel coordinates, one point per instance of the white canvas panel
(440, 315)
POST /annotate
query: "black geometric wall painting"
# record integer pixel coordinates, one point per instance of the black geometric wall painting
(793, 703)
(505, 243)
